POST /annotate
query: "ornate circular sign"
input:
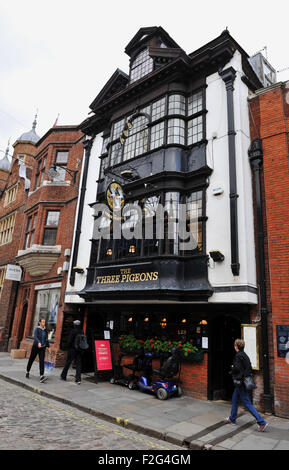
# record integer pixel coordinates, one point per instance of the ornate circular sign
(115, 196)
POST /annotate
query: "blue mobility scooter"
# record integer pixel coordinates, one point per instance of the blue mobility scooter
(166, 386)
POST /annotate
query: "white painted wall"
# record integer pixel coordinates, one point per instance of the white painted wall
(218, 207)
(87, 222)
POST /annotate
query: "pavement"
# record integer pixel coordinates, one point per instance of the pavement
(183, 421)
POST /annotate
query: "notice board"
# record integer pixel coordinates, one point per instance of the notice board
(250, 335)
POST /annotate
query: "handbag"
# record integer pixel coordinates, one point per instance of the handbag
(249, 383)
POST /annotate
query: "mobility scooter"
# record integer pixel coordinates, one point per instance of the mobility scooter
(129, 380)
(166, 386)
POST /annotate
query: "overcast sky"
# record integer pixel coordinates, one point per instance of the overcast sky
(56, 55)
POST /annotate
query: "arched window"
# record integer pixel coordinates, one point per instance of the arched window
(141, 66)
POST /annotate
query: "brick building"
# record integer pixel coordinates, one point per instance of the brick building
(15, 179)
(43, 250)
(269, 153)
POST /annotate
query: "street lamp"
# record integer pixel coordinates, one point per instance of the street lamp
(53, 173)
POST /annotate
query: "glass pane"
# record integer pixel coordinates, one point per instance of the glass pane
(157, 135)
(61, 174)
(104, 144)
(176, 131)
(49, 237)
(52, 218)
(195, 130)
(177, 104)
(117, 129)
(195, 103)
(61, 157)
(115, 155)
(141, 66)
(28, 223)
(47, 307)
(158, 109)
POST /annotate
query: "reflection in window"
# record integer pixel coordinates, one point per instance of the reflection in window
(137, 141)
(177, 104)
(157, 135)
(47, 307)
(195, 103)
(176, 131)
(141, 66)
(195, 130)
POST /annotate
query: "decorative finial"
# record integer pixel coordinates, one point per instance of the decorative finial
(7, 150)
(35, 122)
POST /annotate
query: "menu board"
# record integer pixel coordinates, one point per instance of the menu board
(250, 336)
(103, 355)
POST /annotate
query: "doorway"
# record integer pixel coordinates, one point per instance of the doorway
(22, 325)
(224, 330)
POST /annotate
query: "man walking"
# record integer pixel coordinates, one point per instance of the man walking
(73, 353)
(241, 368)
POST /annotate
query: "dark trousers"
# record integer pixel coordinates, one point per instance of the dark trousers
(71, 355)
(41, 353)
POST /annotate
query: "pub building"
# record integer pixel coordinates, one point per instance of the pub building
(174, 131)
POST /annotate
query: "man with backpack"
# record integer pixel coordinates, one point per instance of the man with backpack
(77, 343)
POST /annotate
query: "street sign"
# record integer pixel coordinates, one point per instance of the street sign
(13, 272)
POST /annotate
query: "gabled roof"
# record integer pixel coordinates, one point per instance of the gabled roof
(116, 83)
(145, 34)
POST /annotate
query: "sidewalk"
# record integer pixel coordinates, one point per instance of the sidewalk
(195, 424)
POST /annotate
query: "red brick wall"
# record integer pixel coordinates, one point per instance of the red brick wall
(268, 111)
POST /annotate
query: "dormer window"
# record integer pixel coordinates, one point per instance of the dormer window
(141, 66)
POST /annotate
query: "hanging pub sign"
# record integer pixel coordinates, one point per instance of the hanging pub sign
(115, 196)
(283, 340)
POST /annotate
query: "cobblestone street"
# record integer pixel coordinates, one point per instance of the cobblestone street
(31, 422)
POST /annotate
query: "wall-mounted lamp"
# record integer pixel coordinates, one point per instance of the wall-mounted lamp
(217, 255)
(184, 320)
(146, 319)
(203, 322)
(109, 252)
(131, 249)
(130, 319)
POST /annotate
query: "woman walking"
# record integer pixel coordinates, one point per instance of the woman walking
(39, 347)
(241, 368)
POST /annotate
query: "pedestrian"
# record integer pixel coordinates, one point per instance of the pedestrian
(242, 368)
(73, 353)
(38, 348)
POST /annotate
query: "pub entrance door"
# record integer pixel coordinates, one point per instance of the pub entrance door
(224, 330)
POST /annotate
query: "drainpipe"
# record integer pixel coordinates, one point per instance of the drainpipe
(256, 162)
(228, 76)
(87, 144)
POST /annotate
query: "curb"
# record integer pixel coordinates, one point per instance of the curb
(172, 438)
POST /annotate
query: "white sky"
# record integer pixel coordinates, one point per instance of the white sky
(56, 55)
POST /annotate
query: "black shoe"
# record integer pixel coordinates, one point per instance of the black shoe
(27, 375)
(43, 379)
(77, 382)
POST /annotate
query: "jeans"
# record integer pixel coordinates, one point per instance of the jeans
(241, 392)
(41, 353)
(73, 354)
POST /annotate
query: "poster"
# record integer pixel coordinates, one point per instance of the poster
(103, 355)
(282, 340)
(250, 336)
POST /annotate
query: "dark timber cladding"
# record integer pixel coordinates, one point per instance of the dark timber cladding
(120, 270)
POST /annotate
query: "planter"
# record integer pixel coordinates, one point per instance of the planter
(197, 356)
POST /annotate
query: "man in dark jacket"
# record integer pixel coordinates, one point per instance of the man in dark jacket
(241, 368)
(73, 353)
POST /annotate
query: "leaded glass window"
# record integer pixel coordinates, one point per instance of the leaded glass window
(141, 66)
(195, 130)
(176, 131)
(137, 140)
(157, 135)
(177, 104)
(158, 109)
(195, 103)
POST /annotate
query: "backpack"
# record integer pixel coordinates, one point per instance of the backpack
(80, 342)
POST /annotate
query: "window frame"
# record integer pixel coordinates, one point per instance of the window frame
(40, 171)
(30, 230)
(48, 228)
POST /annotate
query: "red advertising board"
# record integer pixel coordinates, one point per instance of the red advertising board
(103, 355)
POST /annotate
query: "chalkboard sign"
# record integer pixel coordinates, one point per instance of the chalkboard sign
(283, 340)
